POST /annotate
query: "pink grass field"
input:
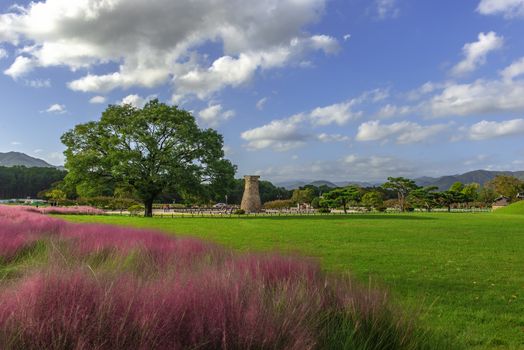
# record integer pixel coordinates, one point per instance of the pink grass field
(82, 286)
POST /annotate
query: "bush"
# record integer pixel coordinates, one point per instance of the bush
(136, 209)
(278, 204)
(324, 210)
(108, 203)
(239, 212)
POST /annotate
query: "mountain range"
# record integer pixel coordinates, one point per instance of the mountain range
(10, 159)
(443, 182)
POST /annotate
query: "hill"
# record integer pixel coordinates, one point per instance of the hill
(11, 159)
(478, 176)
(514, 209)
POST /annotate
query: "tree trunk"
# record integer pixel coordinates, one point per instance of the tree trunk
(449, 208)
(148, 204)
(345, 208)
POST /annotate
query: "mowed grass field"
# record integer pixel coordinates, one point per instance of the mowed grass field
(463, 271)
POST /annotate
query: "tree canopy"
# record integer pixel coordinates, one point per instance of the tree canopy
(403, 187)
(151, 150)
(341, 197)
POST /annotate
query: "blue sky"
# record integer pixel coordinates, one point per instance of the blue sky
(300, 89)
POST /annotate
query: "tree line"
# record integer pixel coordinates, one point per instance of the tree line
(19, 182)
(405, 195)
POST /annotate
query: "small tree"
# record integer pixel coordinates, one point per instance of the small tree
(302, 196)
(150, 150)
(403, 187)
(373, 200)
(341, 197)
(424, 197)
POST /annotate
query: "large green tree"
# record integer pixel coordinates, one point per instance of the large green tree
(341, 197)
(403, 187)
(153, 150)
(505, 185)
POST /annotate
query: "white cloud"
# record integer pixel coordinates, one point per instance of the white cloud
(136, 101)
(56, 108)
(375, 168)
(20, 67)
(404, 132)
(332, 138)
(161, 41)
(514, 70)
(347, 37)
(3, 53)
(475, 53)
(214, 116)
(285, 134)
(339, 113)
(280, 135)
(478, 98)
(387, 9)
(508, 8)
(389, 111)
(16, 143)
(489, 129)
(98, 100)
(261, 103)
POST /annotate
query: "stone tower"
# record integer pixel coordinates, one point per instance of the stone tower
(251, 198)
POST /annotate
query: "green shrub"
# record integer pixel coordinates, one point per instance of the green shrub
(136, 209)
(324, 210)
(278, 204)
(239, 212)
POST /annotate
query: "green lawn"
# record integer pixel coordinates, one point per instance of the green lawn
(464, 271)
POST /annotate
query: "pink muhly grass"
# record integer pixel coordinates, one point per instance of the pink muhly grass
(77, 210)
(88, 239)
(208, 311)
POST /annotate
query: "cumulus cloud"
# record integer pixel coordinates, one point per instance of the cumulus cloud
(20, 67)
(136, 101)
(375, 168)
(507, 8)
(160, 41)
(98, 100)
(56, 109)
(347, 37)
(3, 53)
(280, 135)
(477, 98)
(214, 115)
(292, 134)
(403, 132)
(475, 53)
(513, 70)
(490, 129)
(339, 113)
(323, 137)
(389, 111)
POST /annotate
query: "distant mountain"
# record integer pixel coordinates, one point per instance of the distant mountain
(478, 176)
(10, 159)
(291, 185)
(323, 183)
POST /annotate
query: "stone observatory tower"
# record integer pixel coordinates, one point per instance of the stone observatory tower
(251, 198)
